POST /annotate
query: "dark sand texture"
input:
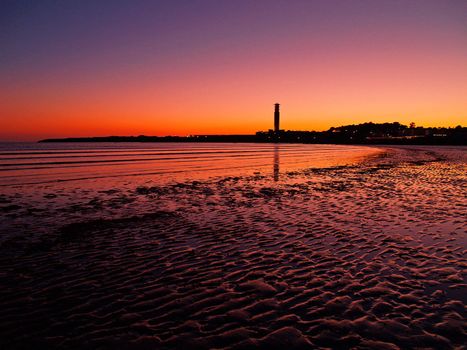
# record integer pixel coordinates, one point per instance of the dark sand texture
(370, 256)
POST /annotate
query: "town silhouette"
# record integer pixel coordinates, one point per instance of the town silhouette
(366, 133)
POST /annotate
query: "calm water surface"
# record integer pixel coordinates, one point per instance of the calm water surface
(49, 185)
(34, 163)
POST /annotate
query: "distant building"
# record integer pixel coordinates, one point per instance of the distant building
(276, 117)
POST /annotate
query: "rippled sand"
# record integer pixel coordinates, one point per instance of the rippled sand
(364, 256)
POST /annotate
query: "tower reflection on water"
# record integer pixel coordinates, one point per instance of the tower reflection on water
(276, 163)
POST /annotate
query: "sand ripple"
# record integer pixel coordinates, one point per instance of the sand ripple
(370, 256)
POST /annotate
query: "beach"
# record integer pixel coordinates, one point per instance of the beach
(361, 254)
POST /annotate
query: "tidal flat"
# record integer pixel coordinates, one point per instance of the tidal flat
(365, 254)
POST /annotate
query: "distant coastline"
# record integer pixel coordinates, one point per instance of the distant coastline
(367, 133)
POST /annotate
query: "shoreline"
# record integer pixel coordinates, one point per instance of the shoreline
(366, 255)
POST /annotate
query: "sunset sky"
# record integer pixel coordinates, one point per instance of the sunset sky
(94, 68)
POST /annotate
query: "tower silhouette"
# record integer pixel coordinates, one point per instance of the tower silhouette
(276, 117)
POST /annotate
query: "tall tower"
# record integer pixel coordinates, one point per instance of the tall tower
(276, 117)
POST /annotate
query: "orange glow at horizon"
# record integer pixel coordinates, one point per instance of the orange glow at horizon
(238, 101)
(395, 74)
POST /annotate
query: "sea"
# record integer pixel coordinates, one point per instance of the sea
(103, 163)
(46, 185)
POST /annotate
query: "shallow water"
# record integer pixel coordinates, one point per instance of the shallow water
(45, 185)
(34, 163)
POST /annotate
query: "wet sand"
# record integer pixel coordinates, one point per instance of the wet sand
(365, 256)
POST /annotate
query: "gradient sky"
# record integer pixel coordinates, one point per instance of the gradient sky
(90, 68)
